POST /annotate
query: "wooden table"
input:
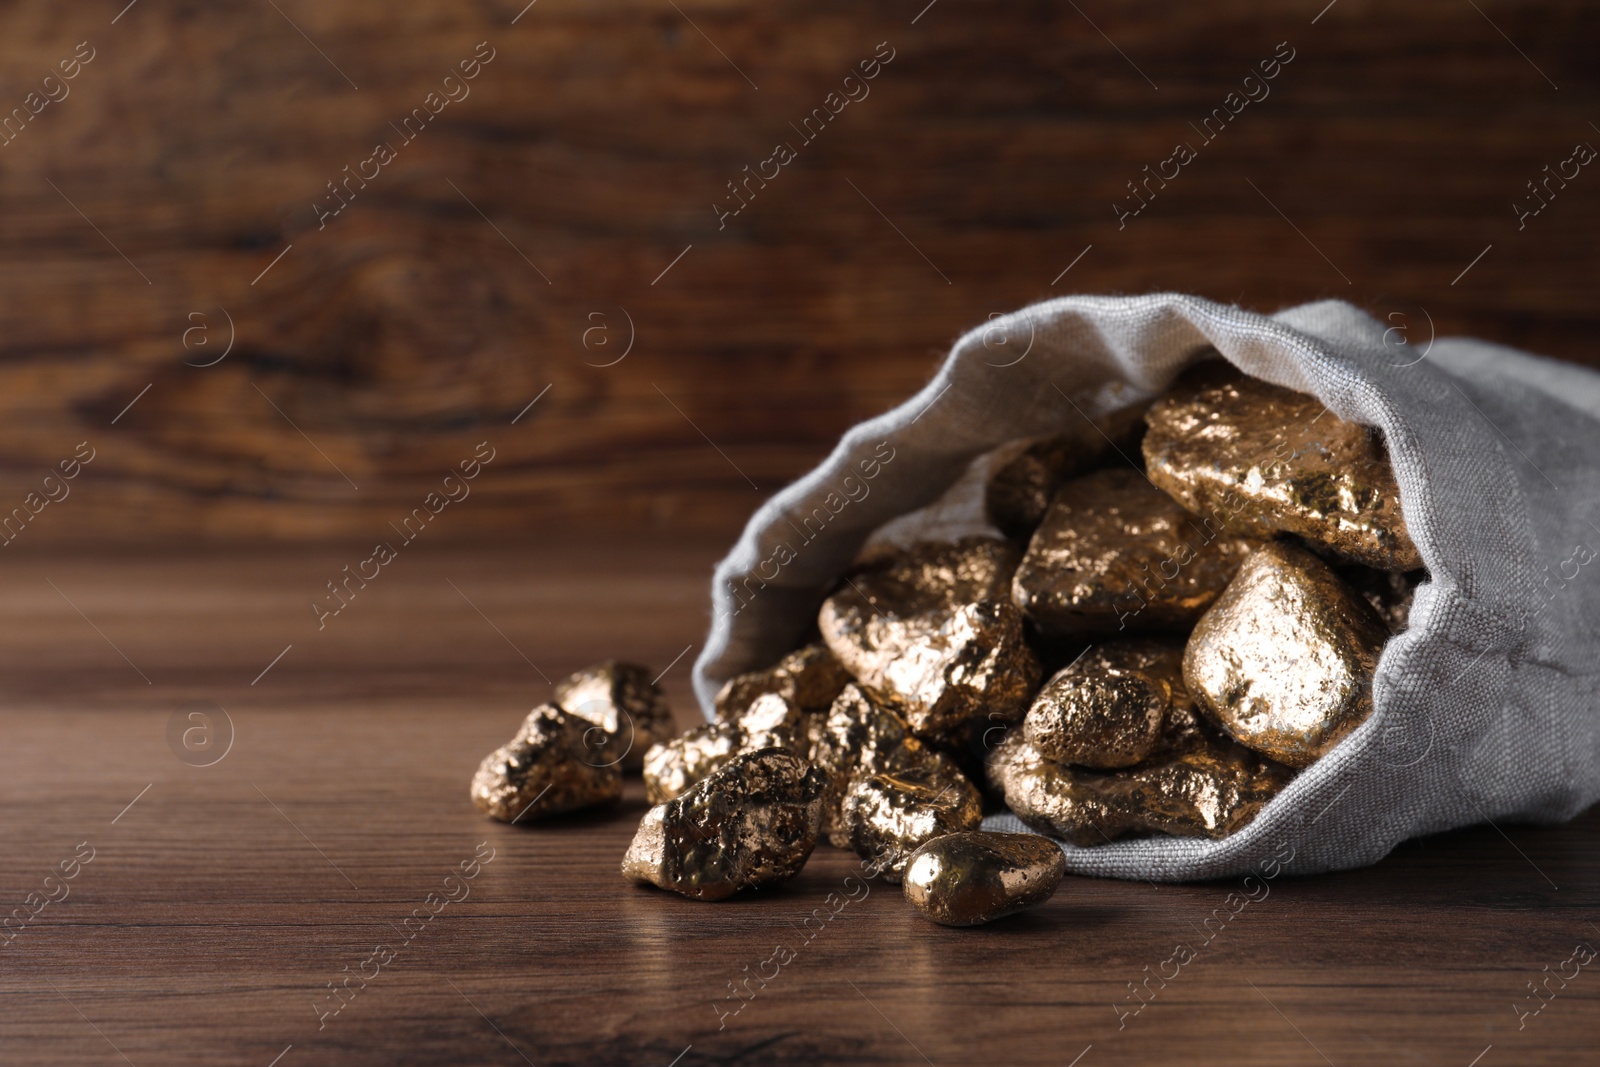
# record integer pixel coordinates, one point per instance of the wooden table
(221, 901)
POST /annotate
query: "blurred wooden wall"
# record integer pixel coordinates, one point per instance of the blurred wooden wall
(457, 285)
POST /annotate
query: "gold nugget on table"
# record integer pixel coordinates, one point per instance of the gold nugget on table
(933, 634)
(548, 768)
(751, 823)
(862, 737)
(1284, 660)
(1111, 708)
(975, 877)
(621, 699)
(1260, 459)
(1211, 789)
(887, 818)
(1115, 555)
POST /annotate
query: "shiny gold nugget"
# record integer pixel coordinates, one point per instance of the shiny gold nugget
(977, 877)
(861, 737)
(1258, 459)
(1112, 706)
(672, 767)
(888, 818)
(932, 634)
(1283, 661)
(1020, 490)
(753, 822)
(772, 719)
(1115, 555)
(548, 768)
(1054, 798)
(810, 677)
(621, 699)
(1211, 790)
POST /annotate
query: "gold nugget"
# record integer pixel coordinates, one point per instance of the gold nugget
(1112, 706)
(977, 877)
(861, 737)
(621, 699)
(1283, 661)
(773, 720)
(810, 678)
(1259, 459)
(1115, 555)
(931, 633)
(751, 823)
(1054, 798)
(548, 768)
(1211, 790)
(671, 767)
(888, 818)
(1020, 490)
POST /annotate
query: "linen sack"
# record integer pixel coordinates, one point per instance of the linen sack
(1484, 709)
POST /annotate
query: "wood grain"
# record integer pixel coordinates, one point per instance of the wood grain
(219, 906)
(459, 283)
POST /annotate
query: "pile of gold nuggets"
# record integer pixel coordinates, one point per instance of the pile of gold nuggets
(1150, 649)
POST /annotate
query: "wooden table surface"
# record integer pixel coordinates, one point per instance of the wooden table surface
(222, 901)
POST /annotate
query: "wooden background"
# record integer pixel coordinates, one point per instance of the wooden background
(459, 284)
